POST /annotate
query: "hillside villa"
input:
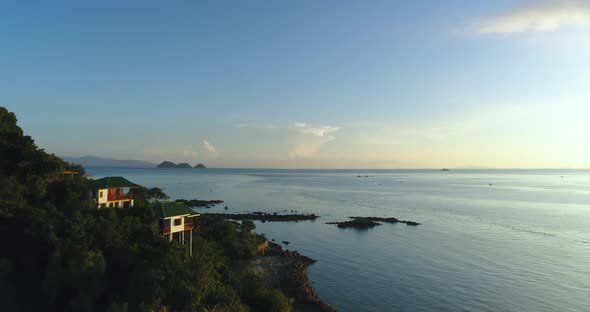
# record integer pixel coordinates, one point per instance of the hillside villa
(112, 192)
(175, 221)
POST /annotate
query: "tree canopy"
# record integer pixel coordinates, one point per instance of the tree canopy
(61, 253)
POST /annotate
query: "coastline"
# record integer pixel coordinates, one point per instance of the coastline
(287, 270)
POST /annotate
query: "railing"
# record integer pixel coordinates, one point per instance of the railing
(120, 197)
(188, 226)
(166, 230)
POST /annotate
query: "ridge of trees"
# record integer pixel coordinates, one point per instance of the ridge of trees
(60, 253)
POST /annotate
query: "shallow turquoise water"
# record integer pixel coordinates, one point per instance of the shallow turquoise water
(519, 244)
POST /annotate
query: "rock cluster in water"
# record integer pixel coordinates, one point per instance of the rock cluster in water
(369, 222)
(265, 216)
(199, 203)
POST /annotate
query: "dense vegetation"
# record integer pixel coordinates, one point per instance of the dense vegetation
(59, 253)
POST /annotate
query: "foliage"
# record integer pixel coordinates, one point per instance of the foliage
(144, 196)
(229, 236)
(60, 253)
(248, 226)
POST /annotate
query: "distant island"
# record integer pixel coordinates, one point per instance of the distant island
(169, 164)
(94, 161)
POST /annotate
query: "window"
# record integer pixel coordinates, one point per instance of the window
(177, 221)
(100, 194)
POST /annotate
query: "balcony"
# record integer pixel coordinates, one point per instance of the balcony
(113, 197)
(188, 226)
(166, 230)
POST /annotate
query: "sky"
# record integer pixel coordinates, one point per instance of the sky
(303, 84)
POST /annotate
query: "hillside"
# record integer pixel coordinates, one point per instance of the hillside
(61, 253)
(94, 161)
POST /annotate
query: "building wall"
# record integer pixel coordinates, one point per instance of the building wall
(119, 203)
(176, 228)
(103, 199)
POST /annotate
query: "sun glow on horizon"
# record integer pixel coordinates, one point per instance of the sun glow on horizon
(301, 85)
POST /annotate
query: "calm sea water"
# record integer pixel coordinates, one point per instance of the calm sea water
(490, 240)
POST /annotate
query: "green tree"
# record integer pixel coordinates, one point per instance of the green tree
(248, 226)
(145, 196)
(69, 256)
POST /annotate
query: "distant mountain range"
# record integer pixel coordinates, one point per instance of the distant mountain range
(169, 164)
(93, 161)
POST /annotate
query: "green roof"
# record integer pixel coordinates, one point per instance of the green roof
(164, 210)
(109, 182)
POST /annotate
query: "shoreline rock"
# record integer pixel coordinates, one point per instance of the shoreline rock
(199, 203)
(287, 271)
(266, 217)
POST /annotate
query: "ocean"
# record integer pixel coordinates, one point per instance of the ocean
(490, 240)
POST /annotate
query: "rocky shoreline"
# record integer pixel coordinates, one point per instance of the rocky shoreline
(287, 271)
(199, 203)
(266, 216)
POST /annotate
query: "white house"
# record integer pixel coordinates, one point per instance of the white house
(112, 192)
(176, 221)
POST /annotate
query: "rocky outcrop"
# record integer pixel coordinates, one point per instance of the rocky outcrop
(166, 164)
(200, 166)
(169, 164)
(265, 216)
(369, 222)
(387, 220)
(200, 203)
(287, 270)
(359, 223)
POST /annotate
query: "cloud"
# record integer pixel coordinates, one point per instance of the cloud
(210, 148)
(315, 131)
(311, 139)
(542, 16)
(256, 126)
(241, 125)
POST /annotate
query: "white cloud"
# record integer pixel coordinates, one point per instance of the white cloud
(210, 148)
(322, 131)
(241, 125)
(311, 138)
(542, 16)
(256, 126)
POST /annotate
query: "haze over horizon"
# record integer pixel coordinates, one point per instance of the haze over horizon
(304, 84)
